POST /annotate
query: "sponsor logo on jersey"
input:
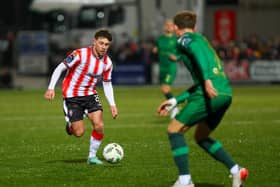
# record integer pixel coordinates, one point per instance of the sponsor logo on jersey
(185, 41)
(215, 71)
(94, 76)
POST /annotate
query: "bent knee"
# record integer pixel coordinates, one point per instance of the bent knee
(198, 137)
(171, 129)
(176, 127)
(202, 132)
(79, 132)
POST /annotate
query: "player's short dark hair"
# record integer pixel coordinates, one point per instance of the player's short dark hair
(103, 33)
(185, 19)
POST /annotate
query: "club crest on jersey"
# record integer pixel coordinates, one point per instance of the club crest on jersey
(70, 58)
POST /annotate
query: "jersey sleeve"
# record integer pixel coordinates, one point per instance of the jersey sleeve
(182, 97)
(72, 59)
(109, 93)
(56, 74)
(107, 73)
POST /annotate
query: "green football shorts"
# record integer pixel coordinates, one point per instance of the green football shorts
(167, 76)
(198, 108)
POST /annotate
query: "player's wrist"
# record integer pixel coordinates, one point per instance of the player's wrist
(172, 103)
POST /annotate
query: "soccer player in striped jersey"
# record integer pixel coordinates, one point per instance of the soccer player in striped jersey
(85, 68)
(206, 102)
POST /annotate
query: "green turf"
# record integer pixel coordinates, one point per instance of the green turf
(35, 150)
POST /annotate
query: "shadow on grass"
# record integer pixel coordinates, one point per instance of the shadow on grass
(84, 161)
(74, 161)
(208, 185)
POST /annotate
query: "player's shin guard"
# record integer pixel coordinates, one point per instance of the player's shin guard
(216, 150)
(180, 152)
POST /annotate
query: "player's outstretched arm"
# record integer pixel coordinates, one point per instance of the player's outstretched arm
(50, 93)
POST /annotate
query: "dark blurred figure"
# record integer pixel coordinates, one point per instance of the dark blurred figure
(6, 59)
(128, 53)
(147, 57)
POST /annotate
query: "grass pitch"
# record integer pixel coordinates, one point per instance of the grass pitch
(36, 151)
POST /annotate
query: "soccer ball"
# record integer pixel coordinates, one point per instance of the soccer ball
(113, 152)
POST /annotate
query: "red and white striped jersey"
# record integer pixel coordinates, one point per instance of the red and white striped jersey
(84, 72)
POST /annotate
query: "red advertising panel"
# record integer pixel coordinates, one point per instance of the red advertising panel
(237, 71)
(225, 25)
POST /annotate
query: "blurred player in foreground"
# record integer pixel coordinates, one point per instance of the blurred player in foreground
(167, 53)
(85, 67)
(206, 102)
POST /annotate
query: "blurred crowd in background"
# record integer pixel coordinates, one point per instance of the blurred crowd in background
(249, 49)
(37, 38)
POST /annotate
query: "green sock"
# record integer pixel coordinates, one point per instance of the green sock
(215, 149)
(168, 95)
(180, 152)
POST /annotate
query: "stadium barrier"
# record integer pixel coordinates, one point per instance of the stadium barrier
(265, 71)
(260, 71)
(136, 74)
(129, 74)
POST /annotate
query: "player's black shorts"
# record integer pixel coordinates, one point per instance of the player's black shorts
(75, 107)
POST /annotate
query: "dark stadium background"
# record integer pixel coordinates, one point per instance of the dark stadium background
(256, 38)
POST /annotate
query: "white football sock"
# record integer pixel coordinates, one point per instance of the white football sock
(94, 145)
(184, 179)
(234, 169)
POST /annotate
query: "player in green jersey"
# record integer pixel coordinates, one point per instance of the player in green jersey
(167, 54)
(206, 102)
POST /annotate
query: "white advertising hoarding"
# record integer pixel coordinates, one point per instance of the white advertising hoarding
(265, 71)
